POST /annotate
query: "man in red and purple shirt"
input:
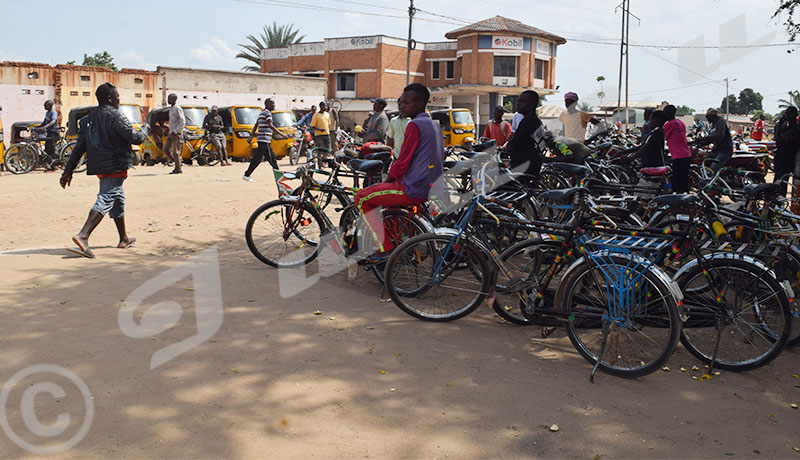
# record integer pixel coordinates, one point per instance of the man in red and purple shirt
(417, 168)
(675, 135)
(497, 128)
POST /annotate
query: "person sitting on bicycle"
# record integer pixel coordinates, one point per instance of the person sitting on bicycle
(215, 127)
(306, 119)
(413, 175)
(50, 128)
(720, 136)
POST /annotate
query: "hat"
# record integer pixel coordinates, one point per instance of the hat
(712, 112)
(214, 107)
(379, 100)
(570, 97)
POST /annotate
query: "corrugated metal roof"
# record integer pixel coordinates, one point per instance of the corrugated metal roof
(503, 24)
(550, 111)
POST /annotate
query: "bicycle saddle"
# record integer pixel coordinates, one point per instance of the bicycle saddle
(342, 158)
(367, 166)
(562, 195)
(678, 201)
(483, 145)
(656, 171)
(571, 169)
(770, 190)
(380, 156)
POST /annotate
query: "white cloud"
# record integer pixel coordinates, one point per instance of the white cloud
(217, 52)
(134, 60)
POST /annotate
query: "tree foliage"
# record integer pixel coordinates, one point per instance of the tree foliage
(748, 102)
(683, 110)
(585, 106)
(792, 100)
(792, 25)
(767, 116)
(273, 36)
(98, 60)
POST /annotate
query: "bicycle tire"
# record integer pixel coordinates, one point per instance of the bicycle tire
(764, 324)
(20, 158)
(464, 270)
(208, 154)
(654, 323)
(529, 260)
(296, 242)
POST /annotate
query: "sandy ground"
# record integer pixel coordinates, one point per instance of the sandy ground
(360, 380)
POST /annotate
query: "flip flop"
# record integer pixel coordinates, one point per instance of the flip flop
(81, 252)
(130, 243)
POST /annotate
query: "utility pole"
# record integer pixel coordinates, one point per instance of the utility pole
(621, 54)
(411, 11)
(727, 102)
(627, 54)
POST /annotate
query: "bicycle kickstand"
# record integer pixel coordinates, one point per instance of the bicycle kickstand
(606, 331)
(716, 347)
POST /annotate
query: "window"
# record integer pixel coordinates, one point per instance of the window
(138, 80)
(435, 70)
(86, 78)
(148, 95)
(505, 66)
(39, 92)
(73, 93)
(87, 93)
(450, 70)
(33, 75)
(137, 95)
(26, 91)
(346, 82)
(538, 69)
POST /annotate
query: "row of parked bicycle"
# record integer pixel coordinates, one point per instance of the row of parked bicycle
(628, 269)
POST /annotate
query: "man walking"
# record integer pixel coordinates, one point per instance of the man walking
(215, 128)
(105, 136)
(375, 129)
(497, 128)
(787, 141)
(177, 123)
(263, 131)
(527, 144)
(412, 176)
(321, 127)
(758, 128)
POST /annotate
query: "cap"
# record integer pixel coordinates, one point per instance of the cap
(379, 100)
(712, 112)
(570, 97)
(214, 107)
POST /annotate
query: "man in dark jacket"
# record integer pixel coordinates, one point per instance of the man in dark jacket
(527, 144)
(721, 138)
(105, 135)
(787, 141)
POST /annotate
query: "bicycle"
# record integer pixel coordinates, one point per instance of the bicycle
(203, 152)
(23, 157)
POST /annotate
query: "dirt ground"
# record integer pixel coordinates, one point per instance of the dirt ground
(360, 380)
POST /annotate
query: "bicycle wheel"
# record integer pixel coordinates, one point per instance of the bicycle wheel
(529, 261)
(631, 306)
(209, 155)
(741, 303)
(294, 155)
(20, 158)
(431, 279)
(284, 233)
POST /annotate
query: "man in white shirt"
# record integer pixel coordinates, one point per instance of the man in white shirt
(177, 123)
(574, 120)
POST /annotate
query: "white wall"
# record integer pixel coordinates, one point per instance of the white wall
(23, 107)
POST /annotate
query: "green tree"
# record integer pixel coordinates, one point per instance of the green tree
(601, 94)
(792, 25)
(732, 104)
(683, 110)
(749, 101)
(98, 60)
(273, 36)
(585, 106)
(758, 113)
(792, 100)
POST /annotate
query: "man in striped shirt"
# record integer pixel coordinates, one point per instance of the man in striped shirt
(263, 130)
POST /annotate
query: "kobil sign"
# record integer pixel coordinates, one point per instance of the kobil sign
(506, 43)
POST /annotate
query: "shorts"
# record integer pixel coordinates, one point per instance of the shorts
(111, 198)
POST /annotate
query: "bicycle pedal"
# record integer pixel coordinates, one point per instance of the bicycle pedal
(547, 331)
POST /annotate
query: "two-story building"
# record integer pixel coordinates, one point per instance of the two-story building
(477, 66)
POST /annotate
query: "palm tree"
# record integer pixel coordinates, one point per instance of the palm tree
(794, 100)
(585, 106)
(274, 36)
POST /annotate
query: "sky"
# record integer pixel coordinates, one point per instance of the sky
(206, 33)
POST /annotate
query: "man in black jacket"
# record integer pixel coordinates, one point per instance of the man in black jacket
(721, 138)
(105, 135)
(527, 144)
(787, 143)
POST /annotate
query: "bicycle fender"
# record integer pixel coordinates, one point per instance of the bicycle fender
(787, 288)
(452, 232)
